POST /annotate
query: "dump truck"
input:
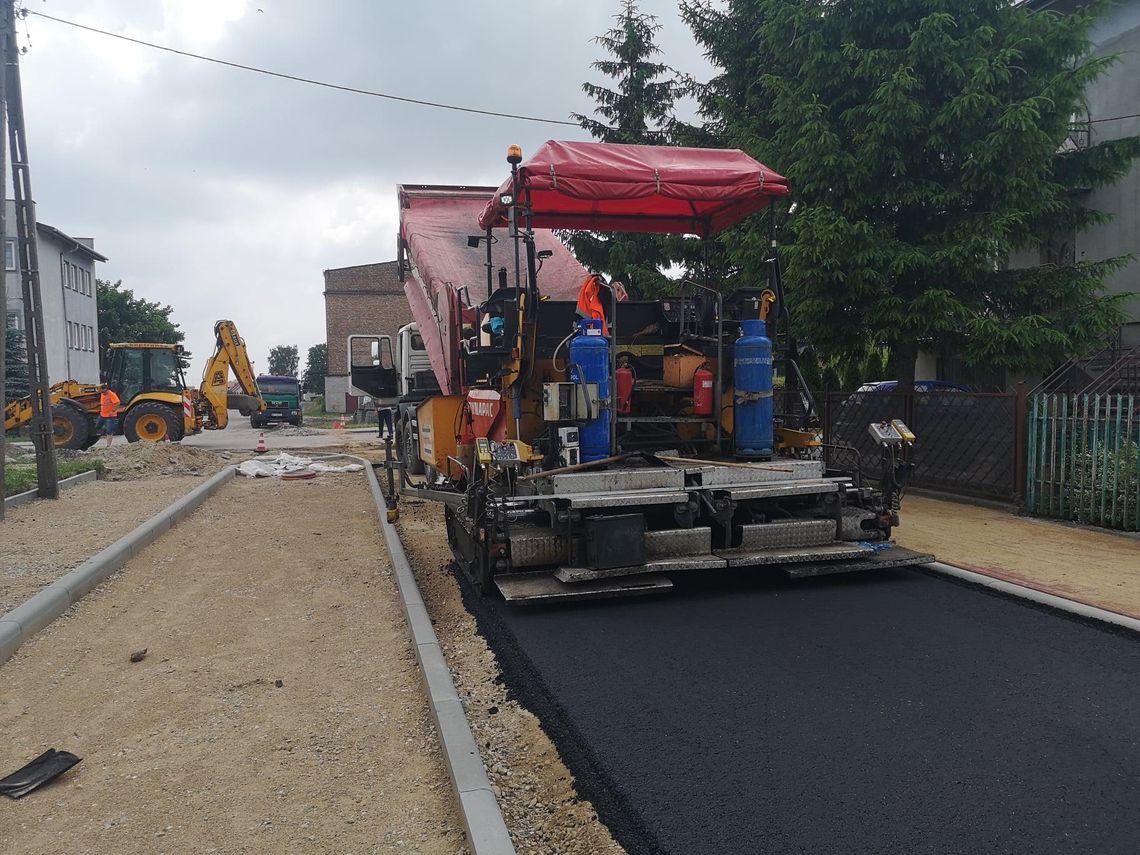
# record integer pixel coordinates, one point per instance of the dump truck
(584, 444)
(156, 403)
(282, 395)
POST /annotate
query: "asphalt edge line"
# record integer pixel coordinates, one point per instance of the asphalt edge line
(43, 607)
(1034, 595)
(478, 806)
(33, 494)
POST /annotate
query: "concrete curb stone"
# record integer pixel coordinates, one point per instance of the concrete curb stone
(1033, 595)
(30, 495)
(486, 830)
(42, 608)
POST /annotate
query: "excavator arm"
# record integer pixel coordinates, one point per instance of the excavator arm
(214, 397)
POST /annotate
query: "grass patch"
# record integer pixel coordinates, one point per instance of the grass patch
(317, 416)
(20, 476)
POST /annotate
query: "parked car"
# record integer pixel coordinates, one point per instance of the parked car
(886, 386)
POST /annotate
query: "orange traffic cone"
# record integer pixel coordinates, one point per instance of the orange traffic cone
(261, 448)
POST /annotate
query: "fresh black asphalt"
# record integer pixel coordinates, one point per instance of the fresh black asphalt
(885, 712)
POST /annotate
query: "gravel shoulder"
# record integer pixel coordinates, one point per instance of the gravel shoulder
(535, 789)
(43, 540)
(279, 706)
(1089, 565)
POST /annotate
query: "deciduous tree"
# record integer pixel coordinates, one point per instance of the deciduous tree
(316, 367)
(284, 360)
(925, 141)
(125, 317)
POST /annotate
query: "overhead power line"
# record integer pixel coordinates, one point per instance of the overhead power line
(297, 79)
(1115, 118)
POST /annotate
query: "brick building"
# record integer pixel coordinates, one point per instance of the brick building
(367, 299)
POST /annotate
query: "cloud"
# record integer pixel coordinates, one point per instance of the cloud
(226, 194)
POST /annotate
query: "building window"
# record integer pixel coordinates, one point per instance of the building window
(16, 319)
(10, 255)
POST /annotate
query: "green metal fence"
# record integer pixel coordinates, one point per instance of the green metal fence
(1083, 459)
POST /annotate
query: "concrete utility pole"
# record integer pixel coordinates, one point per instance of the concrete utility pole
(27, 255)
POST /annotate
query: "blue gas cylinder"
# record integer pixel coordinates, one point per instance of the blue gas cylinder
(590, 363)
(752, 416)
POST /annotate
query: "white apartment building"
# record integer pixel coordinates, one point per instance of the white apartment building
(67, 286)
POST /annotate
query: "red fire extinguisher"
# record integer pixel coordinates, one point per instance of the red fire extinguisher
(702, 391)
(623, 380)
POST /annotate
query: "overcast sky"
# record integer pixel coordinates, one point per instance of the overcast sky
(226, 193)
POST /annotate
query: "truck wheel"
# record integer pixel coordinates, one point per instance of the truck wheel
(151, 422)
(253, 423)
(412, 461)
(69, 427)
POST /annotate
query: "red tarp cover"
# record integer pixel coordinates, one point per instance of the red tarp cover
(609, 187)
(435, 223)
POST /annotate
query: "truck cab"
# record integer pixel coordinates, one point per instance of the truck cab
(396, 375)
(282, 396)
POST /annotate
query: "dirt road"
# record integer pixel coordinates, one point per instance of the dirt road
(279, 707)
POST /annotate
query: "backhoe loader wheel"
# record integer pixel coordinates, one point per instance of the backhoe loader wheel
(69, 426)
(152, 422)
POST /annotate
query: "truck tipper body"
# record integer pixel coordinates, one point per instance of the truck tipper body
(584, 444)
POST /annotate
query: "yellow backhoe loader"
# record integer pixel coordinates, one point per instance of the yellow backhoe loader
(155, 404)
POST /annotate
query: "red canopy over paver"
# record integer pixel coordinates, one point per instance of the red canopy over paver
(434, 224)
(640, 188)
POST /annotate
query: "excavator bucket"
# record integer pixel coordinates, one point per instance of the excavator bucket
(247, 405)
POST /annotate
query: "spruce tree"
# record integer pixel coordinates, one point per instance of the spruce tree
(636, 110)
(15, 361)
(924, 140)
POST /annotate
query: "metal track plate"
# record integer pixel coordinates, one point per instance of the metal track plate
(626, 499)
(762, 473)
(896, 556)
(676, 542)
(787, 534)
(578, 575)
(541, 588)
(784, 488)
(797, 555)
(617, 480)
(534, 546)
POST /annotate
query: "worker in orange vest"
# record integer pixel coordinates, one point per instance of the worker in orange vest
(593, 298)
(108, 413)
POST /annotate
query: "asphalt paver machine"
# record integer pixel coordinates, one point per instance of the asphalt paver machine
(584, 444)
